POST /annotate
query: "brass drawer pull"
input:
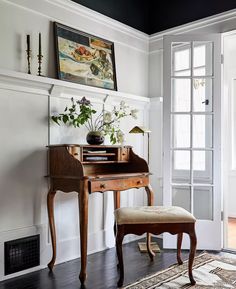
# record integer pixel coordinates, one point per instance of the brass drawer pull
(102, 186)
(139, 182)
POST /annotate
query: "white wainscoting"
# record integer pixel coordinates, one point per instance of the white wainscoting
(26, 102)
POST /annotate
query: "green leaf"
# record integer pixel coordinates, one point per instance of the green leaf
(65, 118)
(56, 119)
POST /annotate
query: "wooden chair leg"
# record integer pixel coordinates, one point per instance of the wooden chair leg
(119, 240)
(150, 201)
(179, 243)
(193, 244)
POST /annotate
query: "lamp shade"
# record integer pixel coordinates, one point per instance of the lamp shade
(139, 129)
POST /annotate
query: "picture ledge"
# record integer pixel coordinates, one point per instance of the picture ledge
(18, 81)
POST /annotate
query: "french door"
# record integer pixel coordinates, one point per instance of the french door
(192, 133)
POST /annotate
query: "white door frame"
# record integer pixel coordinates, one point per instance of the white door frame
(227, 91)
(214, 244)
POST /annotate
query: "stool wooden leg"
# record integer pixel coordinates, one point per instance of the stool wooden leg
(149, 249)
(193, 244)
(179, 243)
(119, 240)
(150, 201)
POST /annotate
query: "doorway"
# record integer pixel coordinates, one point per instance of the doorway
(192, 122)
(229, 139)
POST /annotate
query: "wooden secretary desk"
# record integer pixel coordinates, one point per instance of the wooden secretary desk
(87, 169)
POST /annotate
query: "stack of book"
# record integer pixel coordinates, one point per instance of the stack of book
(93, 158)
(95, 155)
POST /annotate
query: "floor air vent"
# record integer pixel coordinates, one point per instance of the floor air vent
(21, 254)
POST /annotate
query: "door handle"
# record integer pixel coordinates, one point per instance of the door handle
(206, 101)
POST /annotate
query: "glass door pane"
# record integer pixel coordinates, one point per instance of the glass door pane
(181, 131)
(181, 59)
(181, 166)
(202, 58)
(202, 131)
(202, 167)
(202, 95)
(203, 203)
(181, 197)
(181, 95)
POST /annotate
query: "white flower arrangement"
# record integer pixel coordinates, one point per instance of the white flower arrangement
(107, 122)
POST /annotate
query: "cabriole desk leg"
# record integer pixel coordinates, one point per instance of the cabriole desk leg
(150, 201)
(50, 205)
(83, 213)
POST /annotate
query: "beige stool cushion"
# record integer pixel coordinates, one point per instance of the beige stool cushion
(153, 214)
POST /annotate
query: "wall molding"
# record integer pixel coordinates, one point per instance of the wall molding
(100, 18)
(18, 81)
(211, 20)
(192, 27)
(143, 42)
(156, 99)
(53, 9)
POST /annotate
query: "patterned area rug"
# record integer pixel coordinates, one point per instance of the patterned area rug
(209, 272)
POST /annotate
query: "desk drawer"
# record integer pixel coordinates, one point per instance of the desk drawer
(117, 185)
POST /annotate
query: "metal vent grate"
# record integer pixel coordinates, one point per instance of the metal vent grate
(21, 254)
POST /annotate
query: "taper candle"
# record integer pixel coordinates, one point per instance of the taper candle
(28, 42)
(40, 49)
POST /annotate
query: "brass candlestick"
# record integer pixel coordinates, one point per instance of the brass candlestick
(28, 52)
(40, 56)
(28, 59)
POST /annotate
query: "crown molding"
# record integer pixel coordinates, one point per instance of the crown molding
(87, 12)
(108, 28)
(118, 32)
(201, 23)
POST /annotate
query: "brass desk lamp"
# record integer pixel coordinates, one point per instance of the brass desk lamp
(143, 130)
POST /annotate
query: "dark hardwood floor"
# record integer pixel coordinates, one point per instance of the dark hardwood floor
(101, 269)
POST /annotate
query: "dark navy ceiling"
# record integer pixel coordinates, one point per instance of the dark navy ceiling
(152, 16)
(131, 12)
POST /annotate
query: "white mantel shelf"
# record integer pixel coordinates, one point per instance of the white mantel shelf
(41, 85)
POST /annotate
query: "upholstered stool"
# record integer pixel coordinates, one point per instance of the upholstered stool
(155, 220)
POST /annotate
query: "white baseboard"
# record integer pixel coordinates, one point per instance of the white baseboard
(67, 249)
(17, 234)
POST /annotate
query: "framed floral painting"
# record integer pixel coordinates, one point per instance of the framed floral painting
(84, 58)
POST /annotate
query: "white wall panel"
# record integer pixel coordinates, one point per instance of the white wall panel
(24, 123)
(229, 132)
(22, 158)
